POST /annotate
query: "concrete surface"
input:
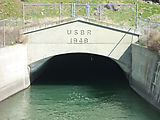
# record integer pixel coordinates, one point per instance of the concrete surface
(14, 74)
(78, 36)
(81, 37)
(146, 74)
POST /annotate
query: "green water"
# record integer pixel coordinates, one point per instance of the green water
(77, 102)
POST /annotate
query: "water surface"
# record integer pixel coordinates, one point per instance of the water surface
(78, 87)
(77, 102)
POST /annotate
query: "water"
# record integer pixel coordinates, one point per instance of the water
(77, 102)
(76, 87)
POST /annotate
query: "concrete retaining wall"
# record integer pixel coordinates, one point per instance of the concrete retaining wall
(14, 74)
(146, 74)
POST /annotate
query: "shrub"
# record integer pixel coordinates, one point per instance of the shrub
(153, 42)
(12, 35)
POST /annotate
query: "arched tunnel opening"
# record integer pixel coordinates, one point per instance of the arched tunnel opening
(82, 68)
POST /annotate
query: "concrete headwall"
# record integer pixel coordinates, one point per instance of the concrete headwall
(79, 37)
(14, 74)
(146, 74)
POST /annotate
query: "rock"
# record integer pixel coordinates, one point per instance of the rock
(95, 14)
(42, 13)
(114, 5)
(149, 2)
(95, 8)
(107, 6)
(141, 11)
(24, 0)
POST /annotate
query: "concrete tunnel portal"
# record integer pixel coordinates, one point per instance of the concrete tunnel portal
(79, 68)
(89, 49)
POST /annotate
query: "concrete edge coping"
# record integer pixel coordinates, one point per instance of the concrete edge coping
(83, 20)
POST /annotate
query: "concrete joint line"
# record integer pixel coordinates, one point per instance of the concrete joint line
(118, 43)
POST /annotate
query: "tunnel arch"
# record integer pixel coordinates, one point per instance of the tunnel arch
(103, 40)
(75, 65)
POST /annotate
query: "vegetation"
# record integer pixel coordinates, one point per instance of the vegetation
(141, 44)
(153, 42)
(13, 8)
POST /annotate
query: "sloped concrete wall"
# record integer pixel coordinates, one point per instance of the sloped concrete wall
(37, 68)
(146, 74)
(14, 74)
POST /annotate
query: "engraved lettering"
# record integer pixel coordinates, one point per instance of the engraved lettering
(78, 36)
(76, 32)
(85, 40)
(69, 32)
(88, 32)
(71, 40)
(82, 32)
(81, 40)
(75, 40)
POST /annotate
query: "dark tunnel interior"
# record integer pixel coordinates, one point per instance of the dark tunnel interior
(81, 68)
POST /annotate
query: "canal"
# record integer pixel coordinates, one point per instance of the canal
(78, 87)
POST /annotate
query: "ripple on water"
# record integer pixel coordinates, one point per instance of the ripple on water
(76, 103)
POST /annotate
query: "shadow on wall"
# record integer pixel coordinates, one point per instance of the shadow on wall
(80, 68)
(126, 57)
